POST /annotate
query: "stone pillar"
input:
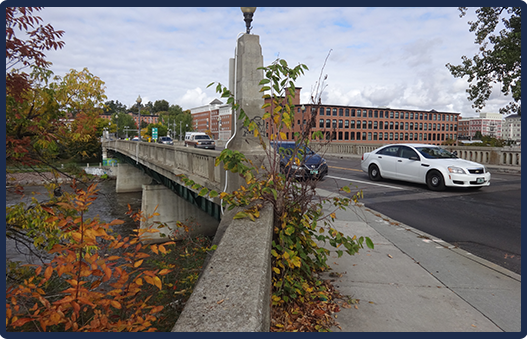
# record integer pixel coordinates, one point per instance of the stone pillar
(171, 209)
(248, 59)
(130, 179)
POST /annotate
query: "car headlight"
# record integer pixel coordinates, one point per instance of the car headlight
(457, 170)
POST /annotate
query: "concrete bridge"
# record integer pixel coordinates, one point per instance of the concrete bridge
(230, 274)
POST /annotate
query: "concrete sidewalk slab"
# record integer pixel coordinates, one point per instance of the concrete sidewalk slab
(395, 293)
(416, 282)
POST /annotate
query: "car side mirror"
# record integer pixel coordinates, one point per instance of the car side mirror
(414, 158)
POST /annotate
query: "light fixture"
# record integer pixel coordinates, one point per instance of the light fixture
(248, 17)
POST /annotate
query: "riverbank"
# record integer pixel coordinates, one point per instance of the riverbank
(33, 178)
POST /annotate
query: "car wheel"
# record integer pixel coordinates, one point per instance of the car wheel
(374, 173)
(435, 181)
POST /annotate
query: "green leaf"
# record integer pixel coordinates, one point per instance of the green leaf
(369, 243)
(240, 215)
(203, 191)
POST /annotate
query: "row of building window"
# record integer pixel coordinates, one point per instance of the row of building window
(383, 114)
(387, 125)
(388, 136)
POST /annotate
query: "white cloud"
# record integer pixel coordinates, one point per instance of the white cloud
(379, 56)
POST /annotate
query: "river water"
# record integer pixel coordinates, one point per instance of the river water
(108, 206)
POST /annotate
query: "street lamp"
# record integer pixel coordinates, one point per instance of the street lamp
(248, 17)
(139, 116)
(126, 129)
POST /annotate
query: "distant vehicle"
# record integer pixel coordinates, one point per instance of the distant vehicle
(424, 164)
(165, 140)
(199, 140)
(135, 139)
(312, 165)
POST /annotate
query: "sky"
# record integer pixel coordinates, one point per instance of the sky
(376, 57)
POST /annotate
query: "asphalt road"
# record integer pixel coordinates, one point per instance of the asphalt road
(485, 222)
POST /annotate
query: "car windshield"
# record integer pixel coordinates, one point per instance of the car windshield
(289, 149)
(202, 137)
(435, 153)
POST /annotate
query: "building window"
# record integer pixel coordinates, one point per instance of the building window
(321, 111)
(359, 114)
(375, 123)
(370, 114)
(391, 125)
(346, 135)
(386, 125)
(391, 135)
(375, 115)
(406, 115)
(346, 124)
(358, 123)
(334, 112)
(396, 115)
(364, 124)
(391, 114)
(321, 123)
(369, 124)
(405, 136)
(352, 135)
(341, 112)
(385, 135)
(363, 135)
(352, 113)
(334, 123)
(358, 135)
(352, 125)
(411, 126)
(380, 116)
(340, 135)
(380, 136)
(405, 126)
(328, 123)
(347, 112)
(340, 124)
(369, 135)
(396, 125)
(375, 136)
(328, 111)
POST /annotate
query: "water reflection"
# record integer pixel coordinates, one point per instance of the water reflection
(108, 206)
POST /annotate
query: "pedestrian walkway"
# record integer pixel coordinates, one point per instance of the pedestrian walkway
(413, 282)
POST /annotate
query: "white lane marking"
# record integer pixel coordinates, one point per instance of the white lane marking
(365, 182)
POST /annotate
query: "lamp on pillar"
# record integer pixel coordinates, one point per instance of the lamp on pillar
(248, 17)
(139, 116)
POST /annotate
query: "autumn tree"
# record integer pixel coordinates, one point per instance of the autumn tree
(26, 41)
(498, 59)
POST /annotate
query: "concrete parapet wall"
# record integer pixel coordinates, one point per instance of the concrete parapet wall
(233, 293)
(485, 155)
(171, 161)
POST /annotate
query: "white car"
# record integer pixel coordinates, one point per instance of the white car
(426, 164)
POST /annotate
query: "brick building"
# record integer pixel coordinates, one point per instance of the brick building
(487, 124)
(373, 125)
(215, 118)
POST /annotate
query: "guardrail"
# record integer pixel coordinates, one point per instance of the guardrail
(501, 156)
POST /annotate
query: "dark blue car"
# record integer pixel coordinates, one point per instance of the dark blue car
(312, 165)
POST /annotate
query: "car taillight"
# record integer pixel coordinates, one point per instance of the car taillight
(362, 158)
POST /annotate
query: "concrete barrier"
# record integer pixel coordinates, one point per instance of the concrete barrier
(233, 293)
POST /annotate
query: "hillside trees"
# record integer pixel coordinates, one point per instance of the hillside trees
(498, 59)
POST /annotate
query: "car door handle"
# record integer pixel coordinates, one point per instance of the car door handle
(399, 161)
(425, 165)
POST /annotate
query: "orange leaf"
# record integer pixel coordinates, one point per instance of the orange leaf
(154, 249)
(139, 281)
(158, 283)
(48, 272)
(162, 249)
(138, 263)
(164, 271)
(21, 322)
(115, 304)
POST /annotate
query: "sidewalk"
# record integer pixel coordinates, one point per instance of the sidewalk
(413, 282)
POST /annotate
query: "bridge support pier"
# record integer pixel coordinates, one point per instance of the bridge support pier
(171, 209)
(130, 179)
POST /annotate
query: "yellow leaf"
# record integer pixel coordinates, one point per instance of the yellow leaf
(115, 304)
(139, 281)
(276, 270)
(157, 282)
(138, 263)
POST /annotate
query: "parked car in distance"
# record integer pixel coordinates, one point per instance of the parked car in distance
(135, 139)
(199, 140)
(424, 164)
(310, 166)
(165, 140)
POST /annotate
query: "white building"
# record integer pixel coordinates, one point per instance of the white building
(512, 128)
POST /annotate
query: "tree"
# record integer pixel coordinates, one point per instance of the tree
(160, 105)
(111, 107)
(24, 53)
(498, 59)
(120, 121)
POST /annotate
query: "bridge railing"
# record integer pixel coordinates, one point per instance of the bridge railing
(501, 156)
(196, 164)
